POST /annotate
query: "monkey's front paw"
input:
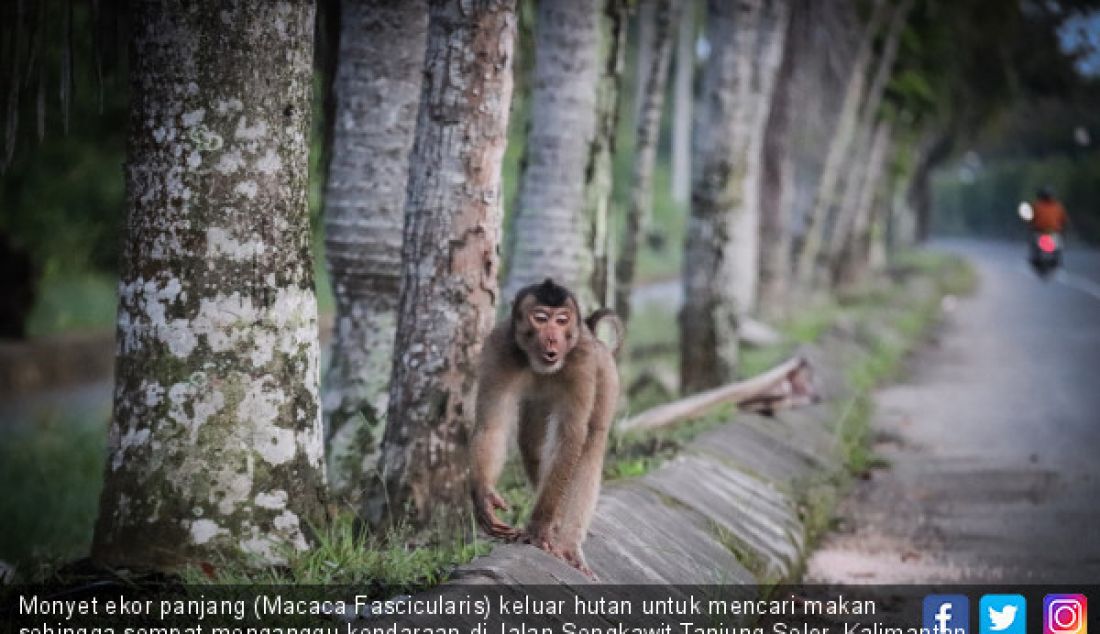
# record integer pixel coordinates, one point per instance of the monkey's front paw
(485, 506)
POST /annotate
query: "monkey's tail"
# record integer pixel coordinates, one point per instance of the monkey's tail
(616, 324)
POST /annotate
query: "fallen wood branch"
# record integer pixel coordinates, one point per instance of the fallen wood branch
(788, 384)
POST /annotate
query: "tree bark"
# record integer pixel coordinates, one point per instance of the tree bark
(377, 93)
(807, 260)
(561, 218)
(851, 258)
(720, 253)
(683, 96)
(646, 17)
(936, 148)
(830, 36)
(777, 174)
(852, 183)
(901, 224)
(450, 258)
(215, 445)
(770, 42)
(647, 131)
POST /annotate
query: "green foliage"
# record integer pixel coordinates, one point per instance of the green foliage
(52, 472)
(961, 61)
(81, 301)
(986, 205)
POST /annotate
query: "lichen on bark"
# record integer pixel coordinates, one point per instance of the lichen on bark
(216, 411)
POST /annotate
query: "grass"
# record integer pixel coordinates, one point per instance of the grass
(397, 561)
(805, 326)
(52, 472)
(898, 320)
(753, 561)
(635, 454)
(815, 500)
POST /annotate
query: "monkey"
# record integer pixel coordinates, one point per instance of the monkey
(544, 370)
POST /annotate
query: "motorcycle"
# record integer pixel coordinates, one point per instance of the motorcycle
(1045, 251)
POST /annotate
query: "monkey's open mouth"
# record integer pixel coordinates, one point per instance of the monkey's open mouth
(550, 356)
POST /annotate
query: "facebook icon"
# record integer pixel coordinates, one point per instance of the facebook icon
(946, 614)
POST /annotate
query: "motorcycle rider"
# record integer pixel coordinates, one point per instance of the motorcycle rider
(1048, 215)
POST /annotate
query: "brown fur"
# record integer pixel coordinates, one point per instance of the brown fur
(545, 369)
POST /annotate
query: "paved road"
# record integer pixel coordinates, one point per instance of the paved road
(993, 440)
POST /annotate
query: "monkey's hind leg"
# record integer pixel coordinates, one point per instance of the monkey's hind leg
(580, 506)
(533, 425)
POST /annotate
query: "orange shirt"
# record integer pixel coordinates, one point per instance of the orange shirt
(1049, 217)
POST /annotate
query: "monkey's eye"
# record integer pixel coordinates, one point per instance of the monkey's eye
(562, 320)
(541, 318)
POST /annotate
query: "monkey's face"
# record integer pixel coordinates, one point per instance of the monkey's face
(547, 334)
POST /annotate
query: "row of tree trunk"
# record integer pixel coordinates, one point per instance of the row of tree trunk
(218, 440)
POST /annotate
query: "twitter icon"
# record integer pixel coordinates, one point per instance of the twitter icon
(1002, 614)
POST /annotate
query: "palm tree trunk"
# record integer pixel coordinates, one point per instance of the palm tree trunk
(777, 175)
(377, 93)
(852, 256)
(771, 42)
(560, 228)
(683, 95)
(807, 260)
(720, 253)
(215, 446)
(862, 146)
(450, 258)
(647, 130)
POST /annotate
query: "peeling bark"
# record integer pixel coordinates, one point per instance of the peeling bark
(560, 228)
(647, 129)
(377, 94)
(215, 446)
(450, 258)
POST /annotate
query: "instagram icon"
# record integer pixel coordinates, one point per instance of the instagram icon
(1065, 614)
